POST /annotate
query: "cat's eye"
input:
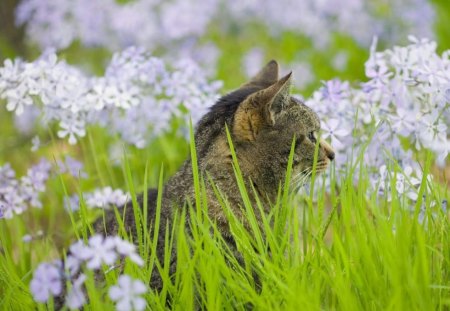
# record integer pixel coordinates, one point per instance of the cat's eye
(312, 136)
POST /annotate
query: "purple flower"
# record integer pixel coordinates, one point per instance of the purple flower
(47, 280)
(35, 143)
(75, 167)
(27, 238)
(75, 298)
(73, 263)
(100, 251)
(431, 129)
(403, 121)
(336, 131)
(127, 294)
(17, 195)
(335, 90)
(158, 23)
(49, 277)
(99, 198)
(252, 61)
(12, 203)
(72, 203)
(128, 249)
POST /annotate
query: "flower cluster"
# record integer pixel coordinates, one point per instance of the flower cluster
(16, 195)
(158, 23)
(48, 279)
(406, 97)
(99, 198)
(405, 182)
(101, 22)
(137, 97)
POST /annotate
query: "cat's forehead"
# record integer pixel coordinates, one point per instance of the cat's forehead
(304, 115)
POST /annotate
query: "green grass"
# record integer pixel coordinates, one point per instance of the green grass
(343, 250)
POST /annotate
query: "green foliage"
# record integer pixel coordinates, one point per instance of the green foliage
(343, 251)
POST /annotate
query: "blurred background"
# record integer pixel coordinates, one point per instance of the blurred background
(318, 40)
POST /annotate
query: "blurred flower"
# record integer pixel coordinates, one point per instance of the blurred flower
(335, 130)
(99, 251)
(303, 74)
(431, 129)
(127, 294)
(73, 263)
(75, 298)
(158, 23)
(26, 122)
(47, 280)
(128, 249)
(12, 203)
(253, 61)
(75, 167)
(36, 142)
(99, 198)
(340, 61)
(403, 121)
(105, 197)
(72, 203)
(27, 238)
(335, 90)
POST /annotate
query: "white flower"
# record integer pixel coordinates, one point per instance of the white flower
(17, 99)
(102, 95)
(73, 127)
(100, 251)
(75, 299)
(127, 294)
(431, 128)
(128, 249)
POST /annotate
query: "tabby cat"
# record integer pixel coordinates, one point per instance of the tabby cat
(262, 119)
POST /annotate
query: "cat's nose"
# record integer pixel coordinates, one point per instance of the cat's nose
(330, 155)
(328, 150)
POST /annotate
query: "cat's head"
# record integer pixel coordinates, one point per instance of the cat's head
(263, 119)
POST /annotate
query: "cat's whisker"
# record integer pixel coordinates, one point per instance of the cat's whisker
(301, 178)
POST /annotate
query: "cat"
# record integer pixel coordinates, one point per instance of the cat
(263, 120)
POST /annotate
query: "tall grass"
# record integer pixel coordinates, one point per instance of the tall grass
(340, 249)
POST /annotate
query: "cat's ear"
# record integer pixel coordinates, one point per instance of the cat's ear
(268, 75)
(260, 109)
(278, 95)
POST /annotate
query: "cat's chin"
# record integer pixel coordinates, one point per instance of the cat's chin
(322, 166)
